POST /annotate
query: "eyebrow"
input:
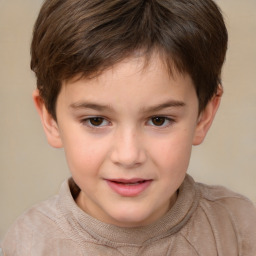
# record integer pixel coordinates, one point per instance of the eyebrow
(161, 106)
(90, 105)
(101, 107)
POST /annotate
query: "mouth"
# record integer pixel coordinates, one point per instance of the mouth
(129, 187)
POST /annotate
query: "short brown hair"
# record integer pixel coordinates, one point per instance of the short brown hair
(85, 37)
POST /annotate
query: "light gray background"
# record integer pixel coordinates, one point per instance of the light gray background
(31, 171)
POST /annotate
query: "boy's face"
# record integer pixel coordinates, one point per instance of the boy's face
(127, 136)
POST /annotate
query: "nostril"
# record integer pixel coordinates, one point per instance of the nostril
(127, 149)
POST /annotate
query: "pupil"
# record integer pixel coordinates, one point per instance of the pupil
(158, 121)
(96, 121)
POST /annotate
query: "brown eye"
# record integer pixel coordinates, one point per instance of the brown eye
(158, 120)
(96, 121)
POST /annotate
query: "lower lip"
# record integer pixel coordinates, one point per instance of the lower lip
(129, 190)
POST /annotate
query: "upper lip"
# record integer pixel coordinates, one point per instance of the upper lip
(129, 181)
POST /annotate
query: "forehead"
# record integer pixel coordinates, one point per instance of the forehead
(141, 58)
(135, 78)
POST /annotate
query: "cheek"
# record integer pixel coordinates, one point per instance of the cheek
(84, 155)
(172, 161)
(173, 153)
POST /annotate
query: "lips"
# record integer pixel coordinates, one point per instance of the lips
(128, 187)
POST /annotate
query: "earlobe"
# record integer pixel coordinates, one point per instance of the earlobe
(206, 117)
(49, 123)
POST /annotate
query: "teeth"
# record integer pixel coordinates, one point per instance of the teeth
(131, 184)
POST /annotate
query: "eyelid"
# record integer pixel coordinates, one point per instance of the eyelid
(86, 121)
(169, 121)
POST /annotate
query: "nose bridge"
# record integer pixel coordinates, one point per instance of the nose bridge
(128, 149)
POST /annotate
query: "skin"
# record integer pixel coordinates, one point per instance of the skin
(146, 124)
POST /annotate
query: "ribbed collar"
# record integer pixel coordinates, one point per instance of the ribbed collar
(83, 224)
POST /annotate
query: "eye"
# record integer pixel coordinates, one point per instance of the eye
(95, 121)
(160, 121)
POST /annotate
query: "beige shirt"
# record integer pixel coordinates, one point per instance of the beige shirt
(205, 221)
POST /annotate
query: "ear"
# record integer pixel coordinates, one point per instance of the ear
(49, 123)
(206, 117)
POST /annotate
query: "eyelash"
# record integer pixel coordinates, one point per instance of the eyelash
(88, 122)
(103, 122)
(166, 121)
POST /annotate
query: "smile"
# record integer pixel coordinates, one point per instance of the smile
(128, 188)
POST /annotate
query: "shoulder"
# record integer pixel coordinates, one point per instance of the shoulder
(234, 203)
(229, 214)
(37, 221)
(45, 229)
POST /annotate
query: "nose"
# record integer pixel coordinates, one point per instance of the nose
(128, 150)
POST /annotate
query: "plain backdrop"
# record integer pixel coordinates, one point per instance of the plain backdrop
(31, 171)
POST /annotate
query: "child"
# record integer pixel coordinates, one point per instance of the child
(127, 88)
